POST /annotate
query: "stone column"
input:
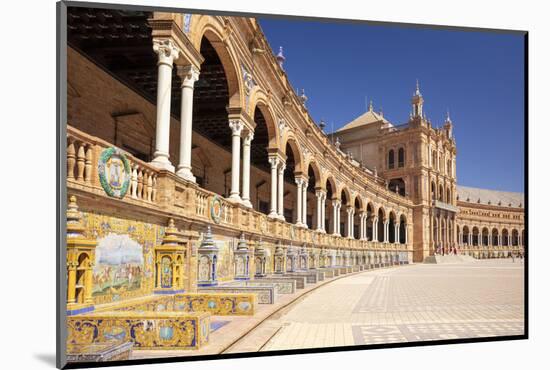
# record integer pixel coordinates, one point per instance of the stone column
(396, 233)
(247, 142)
(299, 185)
(375, 229)
(336, 216)
(304, 203)
(158, 274)
(280, 191)
(71, 282)
(351, 213)
(188, 74)
(470, 238)
(167, 52)
(88, 283)
(323, 209)
(274, 161)
(386, 231)
(236, 127)
(319, 194)
(362, 233)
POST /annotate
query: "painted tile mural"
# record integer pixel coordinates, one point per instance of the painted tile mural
(124, 256)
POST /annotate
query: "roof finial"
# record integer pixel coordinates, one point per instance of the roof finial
(448, 119)
(370, 106)
(417, 92)
(303, 97)
(280, 57)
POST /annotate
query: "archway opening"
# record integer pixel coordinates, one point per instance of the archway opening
(210, 120)
(381, 226)
(397, 186)
(391, 228)
(259, 160)
(290, 201)
(494, 237)
(370, 218)
(402, 229)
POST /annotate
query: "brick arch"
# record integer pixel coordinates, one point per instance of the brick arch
(290, 139)
(213, 29)
(329, 178)
(317, 172)
(262, 104)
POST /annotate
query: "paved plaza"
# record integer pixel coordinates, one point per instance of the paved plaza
(412, 303)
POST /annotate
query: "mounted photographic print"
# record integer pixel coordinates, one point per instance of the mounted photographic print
(266, 184)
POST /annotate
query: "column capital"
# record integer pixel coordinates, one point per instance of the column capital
(274, 161)
(167, 51)
(336, 202)
(236, 127)
(299, 181)
(189, 74)
(248, 137)
(320, 193)
(350, 210)
(282, 166)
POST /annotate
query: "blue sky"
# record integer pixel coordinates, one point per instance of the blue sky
(478, 76)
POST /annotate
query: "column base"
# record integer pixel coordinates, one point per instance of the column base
(162, 163)
(186, 174)
(246, 203)
(273, 214)
(281, 217)
(235, 198)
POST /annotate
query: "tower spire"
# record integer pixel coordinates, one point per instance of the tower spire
(417, 102)
(417, 92)
(448, 118)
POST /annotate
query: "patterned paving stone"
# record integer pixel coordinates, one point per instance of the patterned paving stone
(413, 303)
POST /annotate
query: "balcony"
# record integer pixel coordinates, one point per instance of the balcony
(161, 193)
(445, 206)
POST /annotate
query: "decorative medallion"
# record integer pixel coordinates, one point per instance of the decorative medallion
(216, 209)
(114, 172)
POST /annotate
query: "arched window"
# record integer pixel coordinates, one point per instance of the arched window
(401, 157)
(441, 193)
(449, 167)
(434, 159)
(448, 196)
(391, 159)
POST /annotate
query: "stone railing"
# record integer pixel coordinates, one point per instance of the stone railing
(83, 155)
(165, 191)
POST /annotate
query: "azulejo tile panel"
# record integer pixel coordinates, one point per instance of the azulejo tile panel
(124, 258)
(147, 330)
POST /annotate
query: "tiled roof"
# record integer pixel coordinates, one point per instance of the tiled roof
(364, 119)
(506, 198)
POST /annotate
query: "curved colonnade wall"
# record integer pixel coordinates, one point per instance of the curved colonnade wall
(256, 167)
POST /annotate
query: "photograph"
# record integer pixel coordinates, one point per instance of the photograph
(240, 184)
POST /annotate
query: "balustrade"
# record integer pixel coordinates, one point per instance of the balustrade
(83, 152)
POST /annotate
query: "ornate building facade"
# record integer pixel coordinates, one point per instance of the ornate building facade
(188, 146)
